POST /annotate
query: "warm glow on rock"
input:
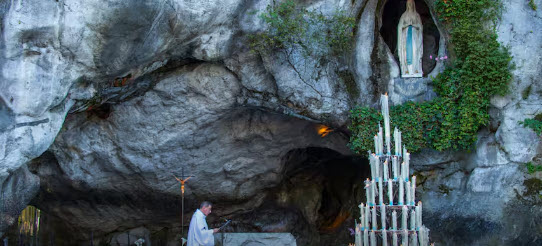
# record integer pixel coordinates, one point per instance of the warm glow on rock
(323, 130)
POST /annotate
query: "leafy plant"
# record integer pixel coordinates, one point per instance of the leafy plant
(533, 168)
(292, 27)
(480, 69)
(532, 5)
(534, 124)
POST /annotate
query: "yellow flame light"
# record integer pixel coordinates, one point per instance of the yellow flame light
(323, 130)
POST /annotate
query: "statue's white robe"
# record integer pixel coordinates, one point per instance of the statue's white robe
(198, 233)
(410, 18)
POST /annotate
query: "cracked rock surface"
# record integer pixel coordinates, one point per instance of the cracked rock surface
(102, 102)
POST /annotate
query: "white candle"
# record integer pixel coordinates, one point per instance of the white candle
(419, 215)
(412, 220)
(404, 238)
(373, 193)
(361, 214)
(390, 192)
(362, 221)
(407, 161)
(408, 195)
(394, 167)
(388, 144)
(380, 192)
(385, 170)
(424, 236)
(413, 193)
(372, 162)
(414, 239)
(394, 239)
(384, 237)
(377, 169)
(368, 191)
(376, 144)
(394, 220)
(396, 138)
(401, 181)
(373, 220)
(380, 139)
(383, 216)
(403, 172)
(386, 115)
(404, 215)
(399, 145)
(358, 236)
(366, 237)
(420, 237)
(367, 214)
(373, 238)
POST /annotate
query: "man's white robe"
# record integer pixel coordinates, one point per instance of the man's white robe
(198, 233)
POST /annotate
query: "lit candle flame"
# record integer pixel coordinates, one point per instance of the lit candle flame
(323, 130)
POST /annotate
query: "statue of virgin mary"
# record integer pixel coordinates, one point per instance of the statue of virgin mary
(410, 41)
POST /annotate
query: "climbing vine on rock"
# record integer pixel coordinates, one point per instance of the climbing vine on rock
(535, 124)
(480, 68)
(291, 27)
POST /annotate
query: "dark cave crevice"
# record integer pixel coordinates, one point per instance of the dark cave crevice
(325, 187)
(316, 201)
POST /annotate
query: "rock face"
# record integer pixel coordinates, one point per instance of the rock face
(70, 56)
(479, 196)
(189, 120)
(122, 95)
(17, 190)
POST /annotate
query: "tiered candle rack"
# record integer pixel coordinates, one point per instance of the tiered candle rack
(390, 190)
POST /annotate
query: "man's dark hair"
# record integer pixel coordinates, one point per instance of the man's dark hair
(205, 204)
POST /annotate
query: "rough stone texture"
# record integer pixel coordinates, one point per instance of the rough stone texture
(68, 56)
(364, 48)
(129, 237)
(190, 119)
(470, 197)
(171, 84)
(254, 239)
(517, 30)
(16, 191)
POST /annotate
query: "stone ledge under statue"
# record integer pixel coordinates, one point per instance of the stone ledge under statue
(254, 239)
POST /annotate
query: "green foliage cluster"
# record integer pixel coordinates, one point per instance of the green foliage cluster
(480, 69)
(532, 5)
(531, 168)
(535, 124)
(291, 27)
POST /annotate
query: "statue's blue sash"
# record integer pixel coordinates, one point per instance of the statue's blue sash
(409, 47)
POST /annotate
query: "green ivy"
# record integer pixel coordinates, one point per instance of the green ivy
(480, 68)
(532, 5)
(531, 168)
(291, 27)
(534, 124)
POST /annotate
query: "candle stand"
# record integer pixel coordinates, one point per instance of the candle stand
(391, 215)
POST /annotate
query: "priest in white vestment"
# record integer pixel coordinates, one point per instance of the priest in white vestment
(199, 233)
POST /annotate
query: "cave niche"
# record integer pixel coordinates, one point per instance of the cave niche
(393, 9)
(325, 187)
